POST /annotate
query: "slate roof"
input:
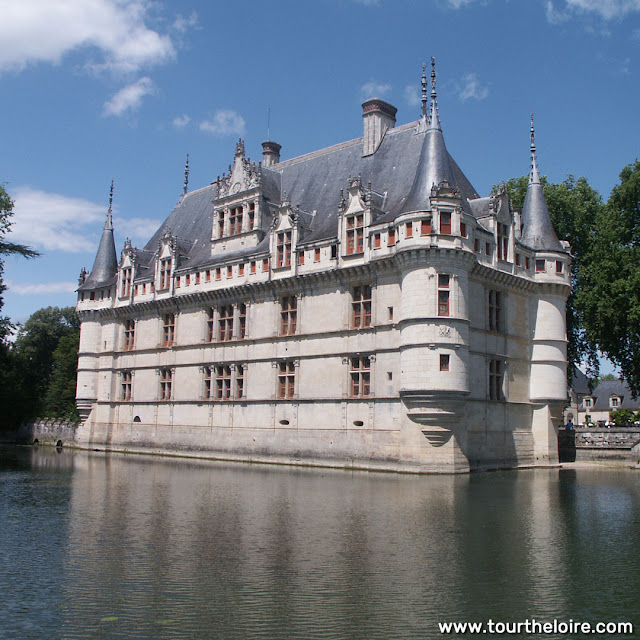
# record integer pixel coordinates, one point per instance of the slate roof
(313, 183)
(105, 266)
(608, 388)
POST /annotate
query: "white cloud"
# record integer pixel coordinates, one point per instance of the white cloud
(41, 288)
(129, 98)
(179, 122)
(470, 87)
(182, 24)
(374, 89)
(33, 31)
(224, 122)
(54, 222)
(412, 95)
(606, 9)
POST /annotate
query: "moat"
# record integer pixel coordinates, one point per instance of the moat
(121, 546)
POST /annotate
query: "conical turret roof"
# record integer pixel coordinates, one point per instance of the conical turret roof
(105, 265)
(434, 164)
(537, 230)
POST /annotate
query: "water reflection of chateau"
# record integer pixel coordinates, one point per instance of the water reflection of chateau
(360, 305)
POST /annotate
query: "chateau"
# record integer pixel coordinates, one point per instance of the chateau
(360, 306)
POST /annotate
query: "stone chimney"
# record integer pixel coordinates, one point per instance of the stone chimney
(378, 116)
(270, 153)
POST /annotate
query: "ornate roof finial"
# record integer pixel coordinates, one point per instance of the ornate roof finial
(424, 90)
(534, 177)
(109, 223)
(186, 176)
(434, 120)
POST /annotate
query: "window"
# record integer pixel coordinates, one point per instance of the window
(495, 380)
(230, 271)
(425, 227)
(526, 262)
(187, 279)
(207, 275)
(361, 307)
(503, 241)
(235, 220)
(588, 403)
(463, 229)
(129, 334)
(360, 377)
(220, 224)
(355, 234)
(409, 230)
(168, 329)
(125, 388)
(540, 266)
(445, 224)
(242, 321)
(239, 381)
(390, 313)
(126, 282)
(376, 240)
(218, 273)
(225, 323)
(166, 382)
(614, 402)
(198, 278)
(558, 266)
(316, 255)
(177, 282)
(476, 245)
(265, 264)
(517, 259)
(135, 290)
(241, 269)
(392, 238)
(207, 383)
(444, 362)
(211, 331)
(286, 379)
(301, 258)
(165, 273)
(223, 382)
(283, 248)
(495, 311)
(487, 248)
(288, 315)
(252, 215)
(443, 294)
(92, 295)
(252, 266)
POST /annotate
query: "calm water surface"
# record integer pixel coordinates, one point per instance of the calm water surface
(116, 546)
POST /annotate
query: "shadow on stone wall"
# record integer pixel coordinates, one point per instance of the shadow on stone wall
(599, 444)
(47, 432)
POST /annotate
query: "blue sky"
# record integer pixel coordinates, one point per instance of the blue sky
(100, 89)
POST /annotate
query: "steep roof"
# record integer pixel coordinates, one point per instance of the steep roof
(608, 388)
(537, 230)
(105, 266)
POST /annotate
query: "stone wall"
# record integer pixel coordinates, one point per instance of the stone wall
(47, 431)
(599, 444)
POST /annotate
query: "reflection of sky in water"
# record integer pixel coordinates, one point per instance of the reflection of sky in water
(141, 547)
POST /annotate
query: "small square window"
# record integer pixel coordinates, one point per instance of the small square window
(540, 266)
(444, 362)
(376, 241)
(316, 255)
(559, 266)
(409, 230)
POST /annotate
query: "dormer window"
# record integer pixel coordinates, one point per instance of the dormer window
(588, 403)
(445, 224)
(235, 220)
(252, 215)
(503, 241)
(425, 227)
(614, 402)
(283, 247)
(355, 234)
(165, 273)
(126, 282)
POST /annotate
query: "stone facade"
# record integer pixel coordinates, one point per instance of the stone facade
(360, 306)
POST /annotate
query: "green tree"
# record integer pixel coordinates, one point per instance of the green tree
(609, 295)
(60, 399)
(10, 380)
(621, 417)
(575, 208)
(35, 346)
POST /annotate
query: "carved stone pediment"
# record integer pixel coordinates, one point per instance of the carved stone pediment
(243, 175)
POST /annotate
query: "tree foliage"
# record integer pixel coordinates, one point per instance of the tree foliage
(609, 296)
(574, 207)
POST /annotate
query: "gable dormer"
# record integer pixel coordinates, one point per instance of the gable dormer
(126, 270)
(446, 208)
(240, 215)
(166, 262)
(289, 227)
(356, 213)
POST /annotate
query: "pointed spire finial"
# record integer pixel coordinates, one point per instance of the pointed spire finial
(534, 177)
(424, 90)
(186, 176)
(434, 120)
(109, 222)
